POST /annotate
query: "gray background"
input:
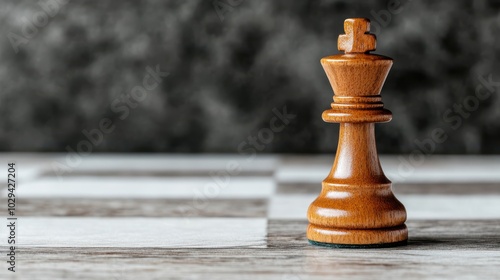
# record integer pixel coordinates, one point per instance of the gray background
(230, 63)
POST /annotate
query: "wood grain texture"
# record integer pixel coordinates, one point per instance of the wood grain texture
(356, 205)
(199, 188)
(134, 207)
(437, 188)
(453, 205)
(141, 232)
(432, 169)
(436, 249)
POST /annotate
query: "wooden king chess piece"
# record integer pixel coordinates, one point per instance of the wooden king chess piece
(356, 207)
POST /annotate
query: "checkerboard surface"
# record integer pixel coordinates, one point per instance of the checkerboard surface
(237, 217)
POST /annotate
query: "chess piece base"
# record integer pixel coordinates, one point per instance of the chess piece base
(356, 246)
(357, 238)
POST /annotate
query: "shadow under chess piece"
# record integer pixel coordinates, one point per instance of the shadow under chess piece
(356, 207)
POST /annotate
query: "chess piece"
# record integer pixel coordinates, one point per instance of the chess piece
(356, 207)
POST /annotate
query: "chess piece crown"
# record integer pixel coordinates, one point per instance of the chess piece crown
(356, 207)
(357, 76)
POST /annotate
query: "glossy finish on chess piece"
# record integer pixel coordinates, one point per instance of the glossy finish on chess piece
(356, 207)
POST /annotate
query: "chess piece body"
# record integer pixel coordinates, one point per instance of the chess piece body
(356, 207)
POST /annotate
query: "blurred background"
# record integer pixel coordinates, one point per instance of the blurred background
(233, 76)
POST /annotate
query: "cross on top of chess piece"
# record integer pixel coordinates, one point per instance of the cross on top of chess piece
(357, 38)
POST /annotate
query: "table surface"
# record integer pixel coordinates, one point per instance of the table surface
(108, 216)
